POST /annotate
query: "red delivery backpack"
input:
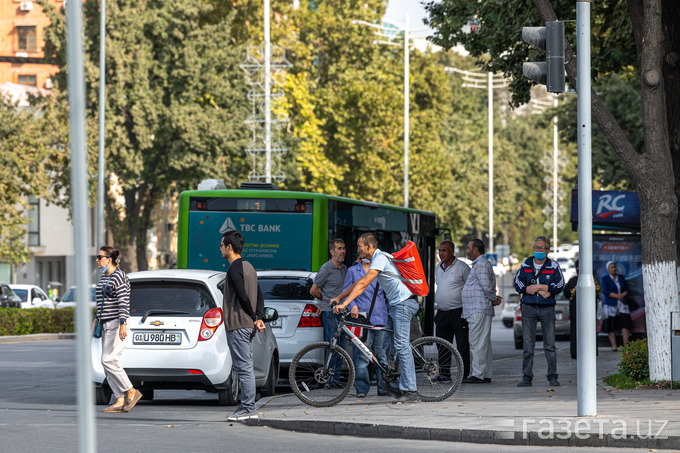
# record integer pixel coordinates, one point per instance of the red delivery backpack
(407, 260)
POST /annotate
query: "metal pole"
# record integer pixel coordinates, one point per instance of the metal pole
(267, 96)
(585, 291)
(555, 151)
(101, 239)
(490, 83)
(406, 108)
(76, 98)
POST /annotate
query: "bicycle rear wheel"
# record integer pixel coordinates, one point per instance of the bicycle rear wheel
(439, 368)
(321, 376)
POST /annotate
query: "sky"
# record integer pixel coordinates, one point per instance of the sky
(397, 8)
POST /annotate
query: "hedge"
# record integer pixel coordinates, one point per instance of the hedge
(17, 321)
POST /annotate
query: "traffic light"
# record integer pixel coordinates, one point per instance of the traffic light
(551, 39)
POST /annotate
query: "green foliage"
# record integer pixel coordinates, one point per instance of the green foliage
(25, 157)
(635, 360)
(622, 381)
(497, 42)
(620, 93)
(175, 105)
(17, 321)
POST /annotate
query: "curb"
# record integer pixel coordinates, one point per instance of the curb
(37, 337)
(468, 435)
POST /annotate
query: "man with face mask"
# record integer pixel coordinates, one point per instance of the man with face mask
(538, 280)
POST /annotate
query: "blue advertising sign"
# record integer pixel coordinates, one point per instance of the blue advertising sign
(626, 252)
(271, 240)
(611, 210)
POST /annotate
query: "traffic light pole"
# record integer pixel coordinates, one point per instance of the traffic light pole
(585, 290)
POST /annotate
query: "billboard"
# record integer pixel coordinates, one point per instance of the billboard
(614, 210)
(271, 240)
(626, 251)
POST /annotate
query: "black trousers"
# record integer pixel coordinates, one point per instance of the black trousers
(449, 325)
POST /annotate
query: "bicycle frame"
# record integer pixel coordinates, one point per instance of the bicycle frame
(356, 341)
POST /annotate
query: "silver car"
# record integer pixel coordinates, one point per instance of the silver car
(562, 322)
(177, 338)
(69, 299)
(508, 309)
(299, 322)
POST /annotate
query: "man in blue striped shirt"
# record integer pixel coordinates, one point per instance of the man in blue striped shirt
(479, 298)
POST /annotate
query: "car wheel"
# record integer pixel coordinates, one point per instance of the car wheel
(269, 388)
(103, 395)
(229, 396)
(148, 394)
(519, 343)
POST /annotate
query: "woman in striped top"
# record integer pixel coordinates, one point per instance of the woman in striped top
(113, 307)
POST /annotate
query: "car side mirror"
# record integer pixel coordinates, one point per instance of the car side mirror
(270, 314)
(3, 297)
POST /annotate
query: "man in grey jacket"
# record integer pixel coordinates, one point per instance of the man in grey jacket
(243, 315)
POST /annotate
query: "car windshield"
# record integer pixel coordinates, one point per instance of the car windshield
(282, 288)
(70, 295)
(193, 299)
(22, 293)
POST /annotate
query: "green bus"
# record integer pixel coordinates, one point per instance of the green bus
(286, 230)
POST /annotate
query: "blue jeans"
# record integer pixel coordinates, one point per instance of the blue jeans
(330, 325)
(362, 382)
(399, 322)
(241, 347)
(531, 315)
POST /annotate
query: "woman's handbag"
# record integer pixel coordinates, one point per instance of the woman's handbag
(97, 332)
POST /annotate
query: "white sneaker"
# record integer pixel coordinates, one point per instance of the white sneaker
(242, 414)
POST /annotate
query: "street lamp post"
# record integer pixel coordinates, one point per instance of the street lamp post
(382, 32)
(485, 81)
(101, 238)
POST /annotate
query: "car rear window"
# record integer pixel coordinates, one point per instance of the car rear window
(22, 293)
(286, 288)
(193, 298)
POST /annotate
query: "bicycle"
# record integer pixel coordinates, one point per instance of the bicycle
(322, 373)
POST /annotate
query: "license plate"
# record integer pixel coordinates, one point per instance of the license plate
(558, 316)
(171, 338)
(275, 324)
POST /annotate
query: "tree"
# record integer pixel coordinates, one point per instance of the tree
(25, 155)
(175, 105)
(636, 36)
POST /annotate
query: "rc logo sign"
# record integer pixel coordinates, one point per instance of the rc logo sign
(610, 206)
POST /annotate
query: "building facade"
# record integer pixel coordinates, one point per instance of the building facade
(22, 24)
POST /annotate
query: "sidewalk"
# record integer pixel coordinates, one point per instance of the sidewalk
(501, 413)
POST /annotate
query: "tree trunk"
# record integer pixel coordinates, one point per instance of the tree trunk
(652, 172)
(656, 188)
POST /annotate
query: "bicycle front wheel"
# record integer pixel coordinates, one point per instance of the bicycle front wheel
(321, 376)
(439, 368)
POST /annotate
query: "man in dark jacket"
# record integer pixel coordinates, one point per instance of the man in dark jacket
(243, 315)
(538, 280)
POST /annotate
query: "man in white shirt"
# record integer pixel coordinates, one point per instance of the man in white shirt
(451, 274)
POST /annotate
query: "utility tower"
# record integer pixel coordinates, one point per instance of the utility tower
(265, 149)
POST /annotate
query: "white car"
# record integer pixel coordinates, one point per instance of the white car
(32, 296)
(567, 267)
(299, 322)
(69, 299)
(177, 338)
